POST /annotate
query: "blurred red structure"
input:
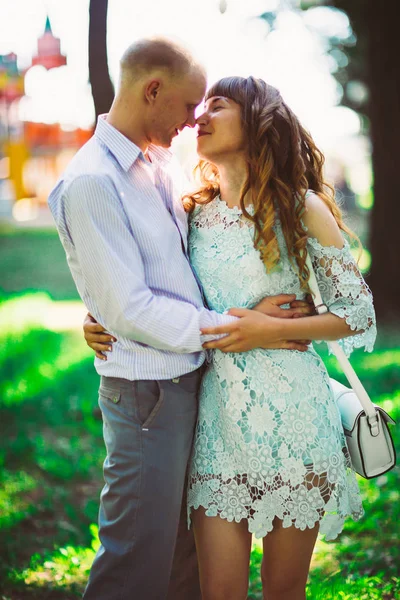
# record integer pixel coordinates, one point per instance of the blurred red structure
(35, 151)
(42, 135)
(49, 52)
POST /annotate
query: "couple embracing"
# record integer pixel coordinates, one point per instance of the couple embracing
(219, 420)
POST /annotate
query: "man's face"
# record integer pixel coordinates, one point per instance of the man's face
(175, 107)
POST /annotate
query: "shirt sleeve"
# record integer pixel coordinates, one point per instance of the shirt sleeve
(345, 292)
(113, 273)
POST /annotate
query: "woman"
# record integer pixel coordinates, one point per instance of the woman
(269, 457)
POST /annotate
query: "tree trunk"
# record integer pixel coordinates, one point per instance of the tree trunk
(99, 77)
(384, 114)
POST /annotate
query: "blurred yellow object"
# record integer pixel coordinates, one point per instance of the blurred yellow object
(3, 80)
(18, 154)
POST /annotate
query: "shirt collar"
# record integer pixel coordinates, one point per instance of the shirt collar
(161, 155)
(125, 151)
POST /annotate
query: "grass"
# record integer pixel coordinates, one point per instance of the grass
(51, 450)
(32, 260)
(51, 454)
(326, 585)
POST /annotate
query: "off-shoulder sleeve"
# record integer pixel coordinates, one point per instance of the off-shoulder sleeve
(345, 292)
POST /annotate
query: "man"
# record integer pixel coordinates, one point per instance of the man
(125, 235)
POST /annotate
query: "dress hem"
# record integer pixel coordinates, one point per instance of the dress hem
(328, 535)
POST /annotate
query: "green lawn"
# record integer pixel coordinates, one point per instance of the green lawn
(51, 450)
(34, 260)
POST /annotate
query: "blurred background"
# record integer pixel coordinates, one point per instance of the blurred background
(336, 64)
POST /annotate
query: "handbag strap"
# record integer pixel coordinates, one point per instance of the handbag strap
(321, 308)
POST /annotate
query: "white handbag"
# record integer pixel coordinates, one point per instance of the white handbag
(365, 424)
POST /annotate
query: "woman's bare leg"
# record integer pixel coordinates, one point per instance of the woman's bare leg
(223, 551)
(286, 562)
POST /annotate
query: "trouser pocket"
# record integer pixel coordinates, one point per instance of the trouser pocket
(149, 400)
(117, 398)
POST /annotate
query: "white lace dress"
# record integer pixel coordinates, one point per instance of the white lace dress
(269, 441)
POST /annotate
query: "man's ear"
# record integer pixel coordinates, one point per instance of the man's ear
(152, 90)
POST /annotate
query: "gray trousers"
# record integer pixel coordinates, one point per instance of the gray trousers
(146, 551)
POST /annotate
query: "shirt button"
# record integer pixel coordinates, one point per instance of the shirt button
(115, 399)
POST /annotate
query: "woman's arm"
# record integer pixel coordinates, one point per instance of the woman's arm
(342, 288)
(271, 332)
(100, 341)
(321, 225)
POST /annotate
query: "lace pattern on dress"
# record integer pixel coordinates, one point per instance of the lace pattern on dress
(345, 292)
(269, 441)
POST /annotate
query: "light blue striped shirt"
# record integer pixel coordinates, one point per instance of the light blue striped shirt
(124, 231)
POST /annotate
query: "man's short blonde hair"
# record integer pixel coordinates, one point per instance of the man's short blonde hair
(149, 54)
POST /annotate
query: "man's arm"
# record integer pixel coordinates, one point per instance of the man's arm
(113, 273)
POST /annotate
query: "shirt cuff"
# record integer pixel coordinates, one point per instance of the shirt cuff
(210, 318)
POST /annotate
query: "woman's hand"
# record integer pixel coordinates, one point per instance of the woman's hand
(97, 337)
(271, 306)
(251, 330)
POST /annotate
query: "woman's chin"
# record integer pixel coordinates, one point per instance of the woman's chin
(201, 155)
(202, 152)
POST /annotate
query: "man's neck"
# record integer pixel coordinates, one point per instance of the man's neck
(129, 127)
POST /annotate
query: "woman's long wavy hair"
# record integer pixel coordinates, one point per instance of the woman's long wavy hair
(283, 163)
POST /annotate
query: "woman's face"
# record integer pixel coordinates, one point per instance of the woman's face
(220, 130)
